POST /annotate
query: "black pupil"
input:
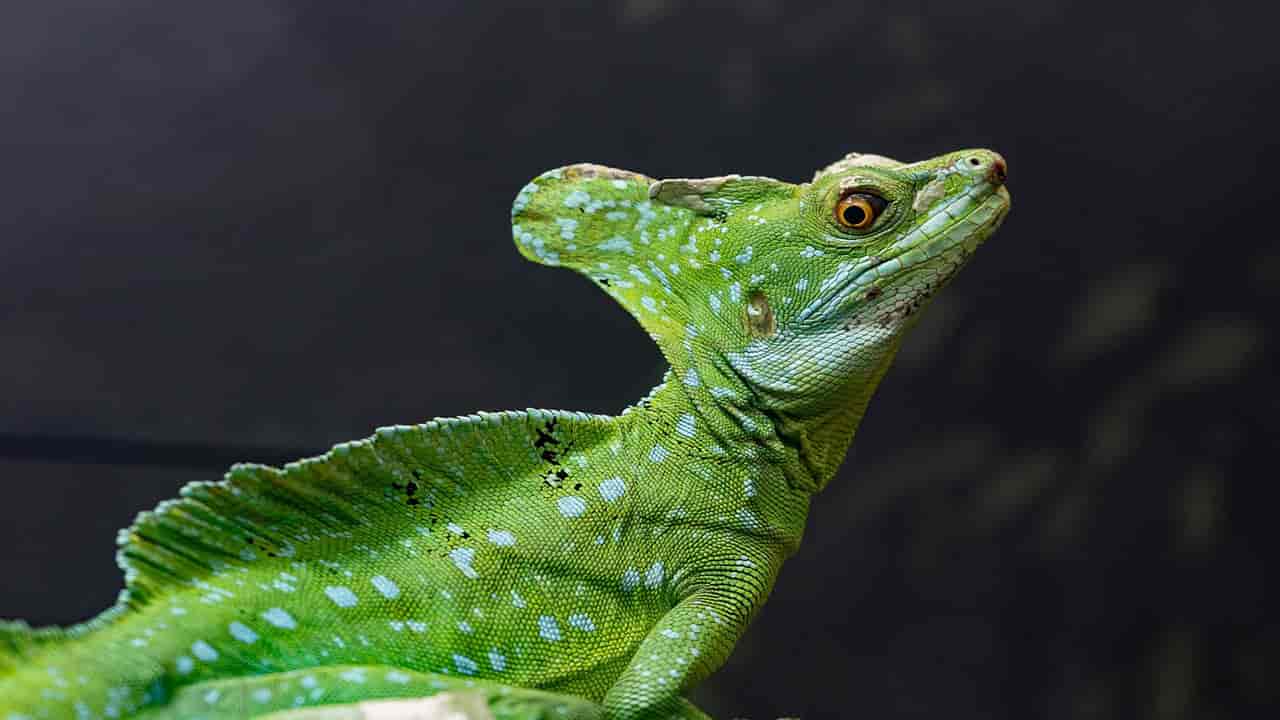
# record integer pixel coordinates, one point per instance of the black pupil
(854, 214)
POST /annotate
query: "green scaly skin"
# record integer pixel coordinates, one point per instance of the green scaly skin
(539, 563)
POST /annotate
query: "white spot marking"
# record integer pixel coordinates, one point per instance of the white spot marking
(463, 557)
(497, 660)
(653, 577)
(341, 596)
(616, 243)
(204, 651)
(685, 425)
(243, 633)
(386, 586)
(548, 628)
(612, 488)
(280, 618)
(465, 665)
(503, 538)
(571, 506)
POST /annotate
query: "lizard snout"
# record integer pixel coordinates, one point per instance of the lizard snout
(998, 171)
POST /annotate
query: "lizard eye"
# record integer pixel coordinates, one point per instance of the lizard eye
(858, 210)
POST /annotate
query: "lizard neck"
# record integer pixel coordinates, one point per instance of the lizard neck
(703, 396)
(805, 441)
(724, 467)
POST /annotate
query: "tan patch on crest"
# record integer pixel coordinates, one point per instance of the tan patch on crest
(688, 192)
(854, 159)
(587, 171)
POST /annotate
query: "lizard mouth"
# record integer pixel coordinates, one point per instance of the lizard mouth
(897, 280)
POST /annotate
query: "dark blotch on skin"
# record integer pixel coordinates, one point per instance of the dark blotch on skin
(759, 316)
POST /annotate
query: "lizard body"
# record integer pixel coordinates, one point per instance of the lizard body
(552, 564)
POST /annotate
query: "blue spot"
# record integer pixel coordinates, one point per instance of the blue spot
(653, 578)
(612, 488)
(341, 596)
(576, 198)
(463, 557)
(685, 425)
(630, 579)
(280, 618)
(582, 622)
(571, 506)
(503, 538)
(386, 586)
(548, 628)
(465, 665)
(497, 661)
(243, 633)
(204, 651)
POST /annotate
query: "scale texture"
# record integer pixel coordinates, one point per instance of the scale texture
(544, 563)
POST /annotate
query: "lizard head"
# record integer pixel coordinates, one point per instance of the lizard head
(797, 293)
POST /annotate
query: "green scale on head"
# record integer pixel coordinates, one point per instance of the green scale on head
(609, 561)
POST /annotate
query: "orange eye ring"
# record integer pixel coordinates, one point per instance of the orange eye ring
(857, 211)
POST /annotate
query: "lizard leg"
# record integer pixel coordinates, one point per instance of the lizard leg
(688, 644)
(373, 692)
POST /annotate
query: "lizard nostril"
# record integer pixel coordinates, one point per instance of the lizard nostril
(998, 172)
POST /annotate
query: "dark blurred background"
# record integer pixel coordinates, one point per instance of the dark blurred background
(249, 229)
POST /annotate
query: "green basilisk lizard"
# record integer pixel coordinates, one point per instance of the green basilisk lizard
(545, 563)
